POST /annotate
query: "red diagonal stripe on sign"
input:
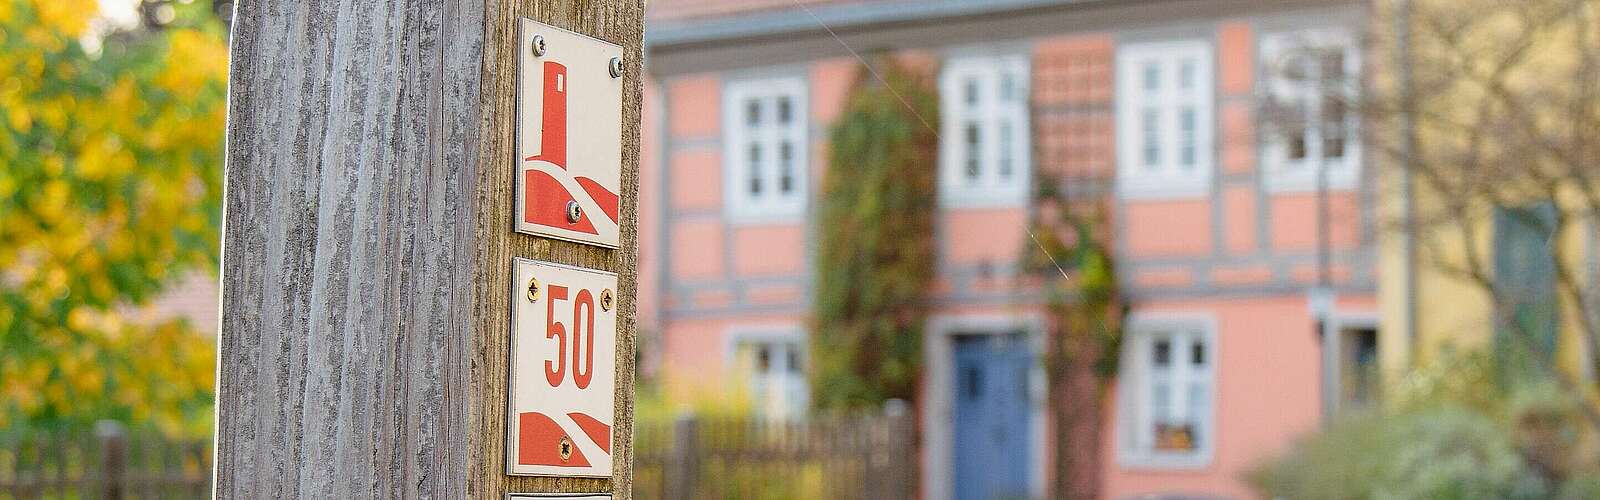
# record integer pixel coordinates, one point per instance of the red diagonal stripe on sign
(598, 432)
(551, 208)
(601, 196)
(539, 442)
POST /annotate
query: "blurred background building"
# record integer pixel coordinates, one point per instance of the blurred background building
(1230, 256)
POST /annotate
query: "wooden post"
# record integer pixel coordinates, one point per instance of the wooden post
(368, 247)
(113, 458)
(682, 467)
(886, 452)
(902, 439)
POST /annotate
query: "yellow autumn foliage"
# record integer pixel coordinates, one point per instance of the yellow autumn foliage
(110, 190)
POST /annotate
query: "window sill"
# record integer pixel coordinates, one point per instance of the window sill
(763, 217)
(1282, 178)
(1163, 189)
(980, 198)
(1138, 460)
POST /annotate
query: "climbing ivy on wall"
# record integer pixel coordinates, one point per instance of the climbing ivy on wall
(1084, 313)
(1069, 253)
(875, 250)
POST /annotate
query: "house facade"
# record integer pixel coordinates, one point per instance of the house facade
(1488, 271)
(1222, 228)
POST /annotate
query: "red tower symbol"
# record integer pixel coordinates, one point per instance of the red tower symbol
(544, 197)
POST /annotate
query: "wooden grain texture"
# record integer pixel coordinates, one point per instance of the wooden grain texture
(619, 22)
(368, 245)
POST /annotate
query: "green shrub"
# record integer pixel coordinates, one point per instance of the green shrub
(1449, 432)
(1443, 453)
(1580, 488)
(875, 249)
(1456, 377)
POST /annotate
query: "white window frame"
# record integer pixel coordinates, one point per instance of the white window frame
(1168, 177)
(773, 334)
(1279, 172)
(771, 205)
(993, 113)
(1135, 439)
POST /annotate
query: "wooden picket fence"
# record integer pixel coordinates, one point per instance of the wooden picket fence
(856, 456)
(110, 463)
(861, 456)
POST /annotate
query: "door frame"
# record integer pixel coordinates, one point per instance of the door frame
(938, 458)
(1333, 355)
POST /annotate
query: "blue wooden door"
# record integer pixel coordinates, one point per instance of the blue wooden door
(992, 438)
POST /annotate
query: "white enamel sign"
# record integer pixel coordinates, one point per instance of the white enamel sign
(569, 135)
(566, 496)
(561, 406)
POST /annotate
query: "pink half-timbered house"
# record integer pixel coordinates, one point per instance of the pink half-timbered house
(1216, 216)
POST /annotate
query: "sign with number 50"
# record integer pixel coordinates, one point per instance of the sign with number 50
(563, 370)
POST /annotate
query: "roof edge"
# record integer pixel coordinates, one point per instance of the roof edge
(845, 17)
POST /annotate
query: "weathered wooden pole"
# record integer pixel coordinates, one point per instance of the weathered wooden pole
(370, 236)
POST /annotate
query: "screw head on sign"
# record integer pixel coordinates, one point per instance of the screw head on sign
(616, 67)
(565, 448)
(533, 290)
(538, 45)
(574, 212)
(605, 299)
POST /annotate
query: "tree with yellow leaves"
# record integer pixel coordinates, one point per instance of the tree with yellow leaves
(110, 189)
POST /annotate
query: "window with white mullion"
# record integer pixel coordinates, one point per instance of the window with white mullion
(991, 111)
(791, 137)
(1169, 394)
(755, 154)
(1311, 77)
(1150, 147)
(772, 364)
(1333, 119)
(984, 151)
(972, 126)
(1157, 395)
(1006, 165)
(1186, 102)
(765, 135)
(1169, 391)
(772, 137)
(1197, 393)
(1011, 114)
(1180, 120)
(1172, 139)
(1164, 118)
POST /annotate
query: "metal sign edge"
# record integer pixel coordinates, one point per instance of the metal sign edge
(511, 351)
(516, 156)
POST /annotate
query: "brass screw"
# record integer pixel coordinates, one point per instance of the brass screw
(566, 448)
(533, 290)
(605, 300)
